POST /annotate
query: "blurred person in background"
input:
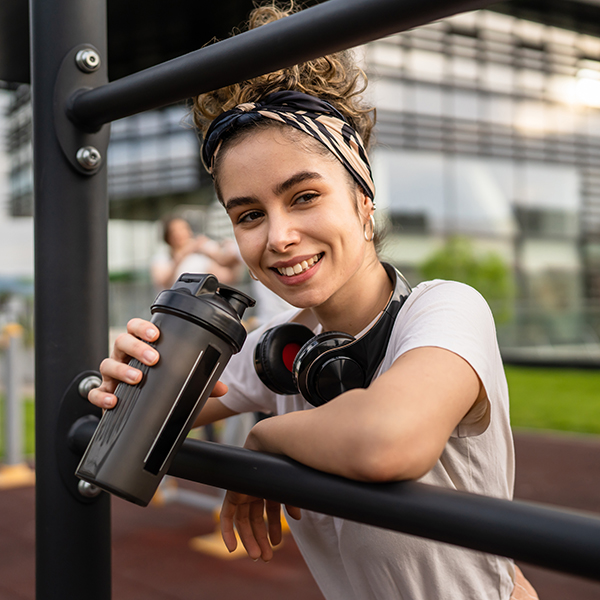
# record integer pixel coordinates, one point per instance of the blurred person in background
(189, 253)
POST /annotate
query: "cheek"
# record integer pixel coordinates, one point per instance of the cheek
(249, 246)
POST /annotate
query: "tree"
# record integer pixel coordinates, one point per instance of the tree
(488, 273)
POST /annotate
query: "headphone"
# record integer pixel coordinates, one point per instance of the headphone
(291, 359)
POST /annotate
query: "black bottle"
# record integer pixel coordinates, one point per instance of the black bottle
(135, 442)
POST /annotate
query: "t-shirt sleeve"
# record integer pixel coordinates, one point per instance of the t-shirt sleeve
(247, 393)
(453, 316)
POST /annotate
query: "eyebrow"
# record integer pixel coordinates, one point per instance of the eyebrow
(279, 189)
(240, 201)
(284, 186)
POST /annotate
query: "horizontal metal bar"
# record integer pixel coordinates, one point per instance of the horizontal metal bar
(536, 534)
(328, 27)
(557, 539)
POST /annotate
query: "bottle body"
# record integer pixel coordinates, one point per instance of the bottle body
(135, 442)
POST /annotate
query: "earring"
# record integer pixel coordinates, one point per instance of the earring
(372, 221)
(252, 275)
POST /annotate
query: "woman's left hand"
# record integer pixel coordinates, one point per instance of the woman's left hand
(247, 514)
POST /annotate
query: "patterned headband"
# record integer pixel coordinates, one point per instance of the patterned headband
(310, 114)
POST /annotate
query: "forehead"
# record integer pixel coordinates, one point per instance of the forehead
(175, 224)
(274, 153)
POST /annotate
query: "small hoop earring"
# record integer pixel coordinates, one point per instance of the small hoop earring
(252, 275)
(372, 236)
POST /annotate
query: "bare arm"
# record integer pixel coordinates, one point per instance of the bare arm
(396, 429)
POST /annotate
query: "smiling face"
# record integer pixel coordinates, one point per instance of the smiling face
(297, 217)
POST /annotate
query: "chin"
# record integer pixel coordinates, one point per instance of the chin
(303, 300)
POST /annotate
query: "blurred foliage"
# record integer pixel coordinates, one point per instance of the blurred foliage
(123, 276)
(28, 425)
(487, 272)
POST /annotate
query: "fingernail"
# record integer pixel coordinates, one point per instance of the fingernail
(107, 402)
(132, 375)
(149, 355)
(150, 333)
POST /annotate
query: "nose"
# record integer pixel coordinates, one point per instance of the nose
(283, 232)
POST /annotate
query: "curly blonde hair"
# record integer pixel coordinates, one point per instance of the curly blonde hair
(334, 78)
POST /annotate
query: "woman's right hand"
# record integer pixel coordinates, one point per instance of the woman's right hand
(116, 369)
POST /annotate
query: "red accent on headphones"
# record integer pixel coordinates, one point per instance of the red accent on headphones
(288, 354)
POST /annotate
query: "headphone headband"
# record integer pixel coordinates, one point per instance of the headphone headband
(322, 372)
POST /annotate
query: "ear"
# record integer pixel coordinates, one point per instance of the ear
(365, 205)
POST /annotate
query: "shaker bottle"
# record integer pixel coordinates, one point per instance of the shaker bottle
(200, 329)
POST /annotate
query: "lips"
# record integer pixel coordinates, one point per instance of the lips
(299, 267)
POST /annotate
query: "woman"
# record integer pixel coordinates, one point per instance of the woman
(287, 152)
(189, 253)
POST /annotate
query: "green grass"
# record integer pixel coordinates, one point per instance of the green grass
(29, 435)
(557, 399)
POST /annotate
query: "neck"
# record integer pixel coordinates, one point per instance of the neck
(352, 308)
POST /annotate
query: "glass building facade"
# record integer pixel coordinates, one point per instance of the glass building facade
(488, 127)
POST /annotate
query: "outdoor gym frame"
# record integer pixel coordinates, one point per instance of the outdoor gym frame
(72, 106)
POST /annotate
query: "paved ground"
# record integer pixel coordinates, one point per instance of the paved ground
(153, 559)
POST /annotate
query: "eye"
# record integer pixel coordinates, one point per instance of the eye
(250, 216)
(306, 198)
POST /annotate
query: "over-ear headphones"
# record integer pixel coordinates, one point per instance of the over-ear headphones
(290, 358)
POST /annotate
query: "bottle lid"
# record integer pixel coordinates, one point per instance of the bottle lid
(201, 299)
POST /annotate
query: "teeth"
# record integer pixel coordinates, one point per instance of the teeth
(300, 267)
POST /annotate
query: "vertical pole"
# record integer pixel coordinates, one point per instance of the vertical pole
(71, 315)
(13, 405)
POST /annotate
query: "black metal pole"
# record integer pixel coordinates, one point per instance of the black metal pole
(71, 290)
(556, 539)
(322, 29)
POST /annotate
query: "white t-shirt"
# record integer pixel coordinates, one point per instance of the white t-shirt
(192, 263)
(352, 561)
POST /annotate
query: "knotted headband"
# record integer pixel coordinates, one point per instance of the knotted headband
(309, 114)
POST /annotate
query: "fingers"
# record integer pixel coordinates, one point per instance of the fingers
(128, 346)
(226, 520)
(294, 512)
(219, 390)
(236, 510)
(116, 368)
(253, 531)
(133, 344)
(103, 396)
(247, 515)
(143, 330)
(274, 521)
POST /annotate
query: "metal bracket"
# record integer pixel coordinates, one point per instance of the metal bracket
(75, 412)
(86, 151)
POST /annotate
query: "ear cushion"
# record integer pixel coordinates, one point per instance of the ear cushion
(275, 353)
(315, 368)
